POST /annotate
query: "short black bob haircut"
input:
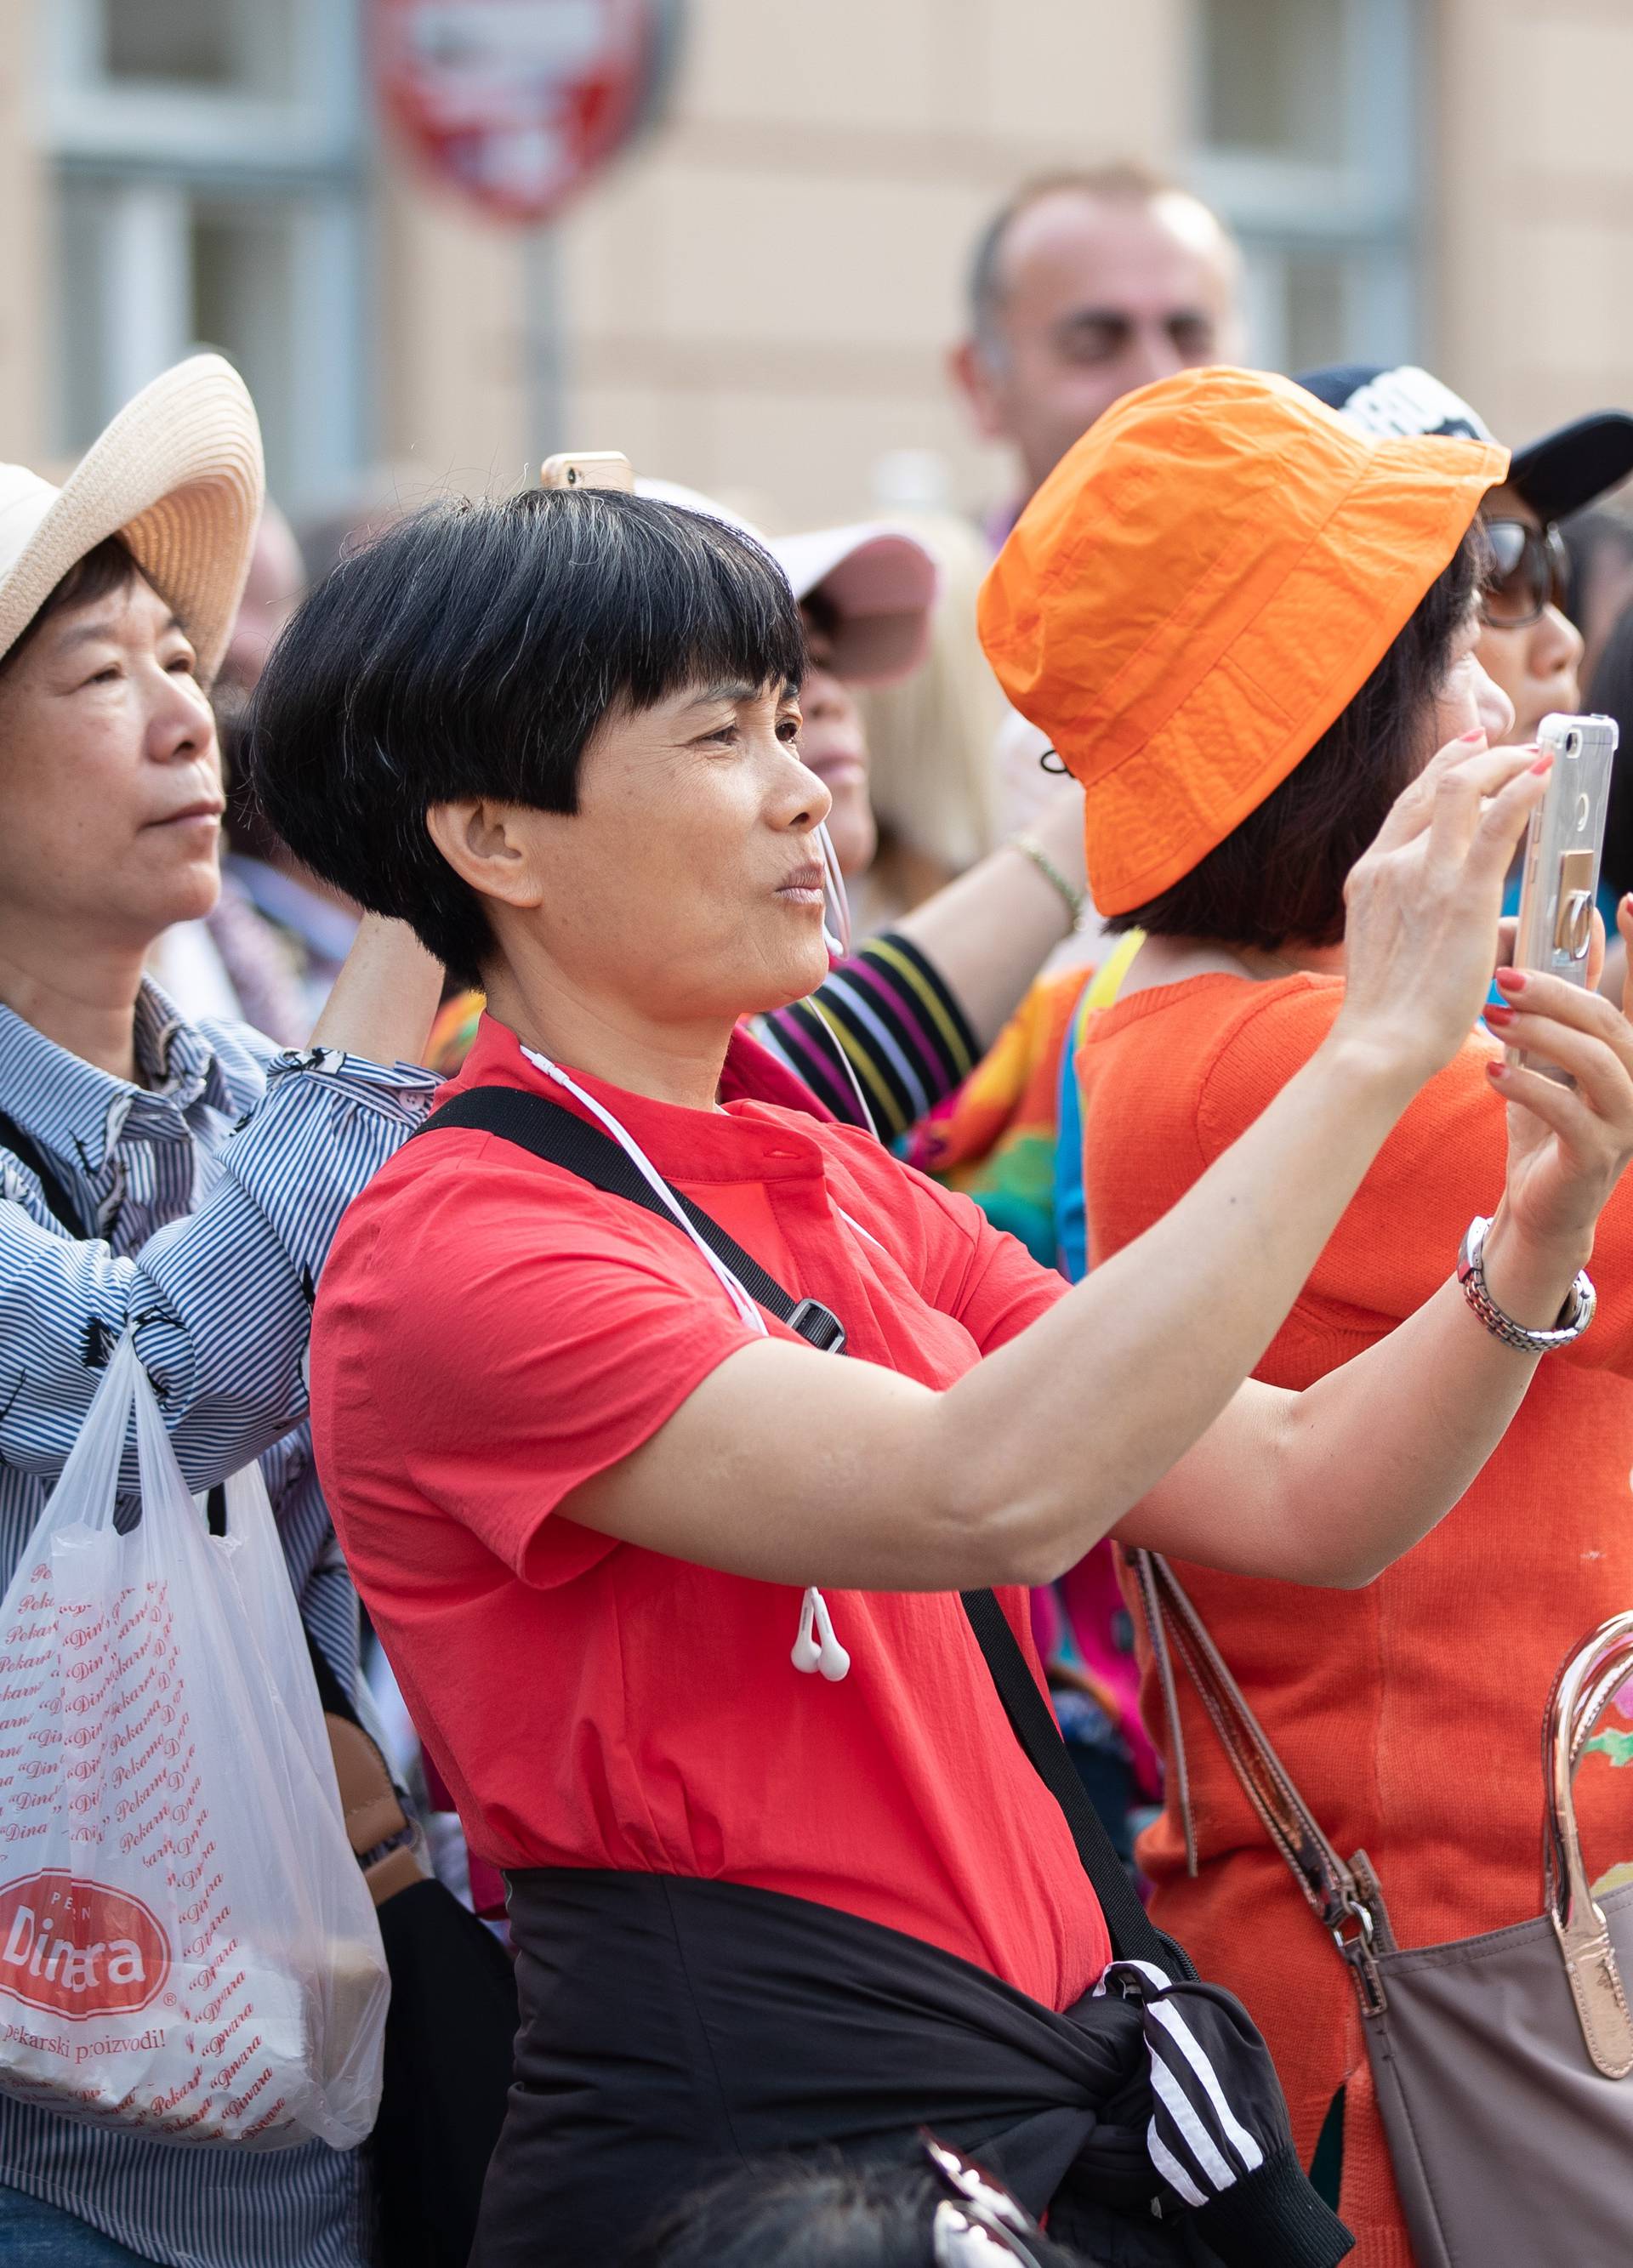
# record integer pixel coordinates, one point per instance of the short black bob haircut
(473, 650)
(1280, 874)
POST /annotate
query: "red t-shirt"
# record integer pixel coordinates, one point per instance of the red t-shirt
(490, 1332)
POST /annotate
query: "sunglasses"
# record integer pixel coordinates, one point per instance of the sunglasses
(1530, 572)
(980, 2225)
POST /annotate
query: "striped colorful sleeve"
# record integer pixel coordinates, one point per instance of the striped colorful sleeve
(883, 1030)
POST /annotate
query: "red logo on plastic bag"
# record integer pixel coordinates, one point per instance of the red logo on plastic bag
(79, 1948)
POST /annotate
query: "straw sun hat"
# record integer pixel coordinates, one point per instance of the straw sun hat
(178, 476)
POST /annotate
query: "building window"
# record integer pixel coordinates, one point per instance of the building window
(209, 183)
(1306, 141)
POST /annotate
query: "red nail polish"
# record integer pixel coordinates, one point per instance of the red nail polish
(1500, 1016)
(1512, 980)
(1479, 733)
(1497, 1070)
(1542, 764)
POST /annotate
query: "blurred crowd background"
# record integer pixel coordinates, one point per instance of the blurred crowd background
(758, 295)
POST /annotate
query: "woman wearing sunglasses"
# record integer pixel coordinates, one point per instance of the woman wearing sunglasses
(1528, 644)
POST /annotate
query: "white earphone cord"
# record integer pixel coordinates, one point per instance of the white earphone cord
(840, 946)
(822, 1650)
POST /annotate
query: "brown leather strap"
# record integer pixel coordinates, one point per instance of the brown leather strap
(374, 1812)
(1346, 1899)
(1177, 1769)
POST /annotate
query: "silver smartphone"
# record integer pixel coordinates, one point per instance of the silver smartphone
(588, 468)
(1560, 877)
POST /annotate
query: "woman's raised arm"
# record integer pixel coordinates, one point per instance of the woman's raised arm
(1048, 1443)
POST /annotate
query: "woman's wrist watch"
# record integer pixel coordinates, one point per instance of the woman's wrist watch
(1574, 1316)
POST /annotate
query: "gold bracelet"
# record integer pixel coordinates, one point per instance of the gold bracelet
(1029, 848)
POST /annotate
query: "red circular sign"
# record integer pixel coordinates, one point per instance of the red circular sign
(517, 102)
(79, 1948)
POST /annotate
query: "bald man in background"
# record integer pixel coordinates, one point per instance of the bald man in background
(1083, 287)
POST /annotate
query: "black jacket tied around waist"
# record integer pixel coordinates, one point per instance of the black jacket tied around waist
(673, 2028)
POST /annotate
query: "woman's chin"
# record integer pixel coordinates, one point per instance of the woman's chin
(188, 896)
(785, 976)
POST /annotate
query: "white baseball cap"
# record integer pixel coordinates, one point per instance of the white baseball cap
(877, 579)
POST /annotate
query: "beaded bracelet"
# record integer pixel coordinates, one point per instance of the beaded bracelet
(1075, 900)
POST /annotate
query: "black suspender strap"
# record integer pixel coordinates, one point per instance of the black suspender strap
(57, 1196)
(560, 1136)
(1133, 1934)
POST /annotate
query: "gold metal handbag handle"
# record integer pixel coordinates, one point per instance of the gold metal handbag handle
(1601, 1664)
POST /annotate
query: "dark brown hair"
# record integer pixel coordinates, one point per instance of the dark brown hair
(1281, 874)
(108, 567)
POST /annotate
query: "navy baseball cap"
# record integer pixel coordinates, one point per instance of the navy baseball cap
(1558, 475)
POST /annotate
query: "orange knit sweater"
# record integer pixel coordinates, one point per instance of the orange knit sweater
(1408, 1712)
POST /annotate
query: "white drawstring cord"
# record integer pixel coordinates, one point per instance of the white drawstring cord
(838, 904)
(838, 940)
(740, 1299)
(829, 1657)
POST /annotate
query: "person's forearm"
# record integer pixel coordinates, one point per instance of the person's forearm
(989, 932)
(1371, 1456)
(384, 1000)
(1012, 1473)
(1050, 1440)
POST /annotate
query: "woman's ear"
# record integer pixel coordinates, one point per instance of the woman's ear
(488, 848)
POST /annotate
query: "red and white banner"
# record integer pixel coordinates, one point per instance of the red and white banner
(517, 102)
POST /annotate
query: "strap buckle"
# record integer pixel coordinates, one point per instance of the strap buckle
(1356, 1949)
(819, 1326)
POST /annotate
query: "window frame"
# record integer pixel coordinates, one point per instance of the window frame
(153, 152)
(1360, 211)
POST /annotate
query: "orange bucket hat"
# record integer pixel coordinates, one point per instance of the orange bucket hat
(1200, 588)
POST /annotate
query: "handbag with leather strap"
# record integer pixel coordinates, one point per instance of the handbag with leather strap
(1504, 2063)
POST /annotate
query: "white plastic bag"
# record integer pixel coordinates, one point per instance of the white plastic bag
(188, 1948)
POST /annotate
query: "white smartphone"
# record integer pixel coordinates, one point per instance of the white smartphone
(1560, 877)
(588, 468)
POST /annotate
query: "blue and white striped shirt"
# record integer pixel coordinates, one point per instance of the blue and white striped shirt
(215, 1189)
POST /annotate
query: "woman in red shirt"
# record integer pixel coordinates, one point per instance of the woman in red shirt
(672, 1594)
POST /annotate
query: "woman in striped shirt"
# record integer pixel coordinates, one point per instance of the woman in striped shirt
(179, 1181)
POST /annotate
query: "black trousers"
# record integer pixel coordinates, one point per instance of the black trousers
(672, 2029)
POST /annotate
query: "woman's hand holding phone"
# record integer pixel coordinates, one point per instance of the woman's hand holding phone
(1567, 1145)
(1423, 904)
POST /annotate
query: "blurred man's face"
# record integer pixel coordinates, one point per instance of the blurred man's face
(1099, 295)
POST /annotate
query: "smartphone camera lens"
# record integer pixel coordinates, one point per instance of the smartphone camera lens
(1573, 743)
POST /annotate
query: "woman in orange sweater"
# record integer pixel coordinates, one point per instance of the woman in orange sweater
(1241, 711)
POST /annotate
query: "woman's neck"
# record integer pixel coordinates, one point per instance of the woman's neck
(668, 1063)
(1171, 959)
(83, 999)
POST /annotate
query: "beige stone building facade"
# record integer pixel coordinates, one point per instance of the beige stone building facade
(758, 298)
